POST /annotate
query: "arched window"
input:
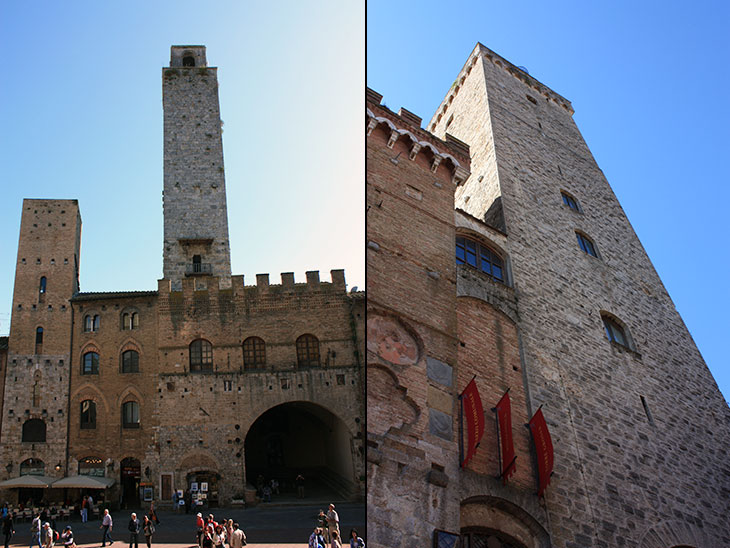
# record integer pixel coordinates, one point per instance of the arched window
(88, 415)
(42, 286)
(307, 351)
(32, 467)
(130, 320)
(570, 201)
(130, 361)
(254, 353)
(615, 331)
(90, 364)
(201, 355)
(34, 430)
(130, 414)
(481, 257)
(91, 466)
(188, 61)
(586, 244)
(91, 323)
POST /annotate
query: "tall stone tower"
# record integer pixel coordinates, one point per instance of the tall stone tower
(34, 429)
(194, 200)
(556, 302)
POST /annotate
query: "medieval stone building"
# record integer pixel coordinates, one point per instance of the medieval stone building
(205, 382)
(497, 251)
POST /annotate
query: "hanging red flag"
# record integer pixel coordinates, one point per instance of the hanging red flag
(504, 425)
(543, 448)
(472, 410)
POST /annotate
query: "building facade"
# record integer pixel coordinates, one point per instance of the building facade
(206, 381)
(523, 272)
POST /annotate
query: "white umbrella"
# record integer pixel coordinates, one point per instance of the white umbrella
(84, 482)
(28, 481)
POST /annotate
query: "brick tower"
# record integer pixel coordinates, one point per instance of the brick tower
(556, 301)
(34, 429)
(194, 198)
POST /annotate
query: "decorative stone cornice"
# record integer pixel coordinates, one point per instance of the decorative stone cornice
(460, 173)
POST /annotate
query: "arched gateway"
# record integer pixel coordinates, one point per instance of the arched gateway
(301, 438)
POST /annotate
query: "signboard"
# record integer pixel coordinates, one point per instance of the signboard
(194, 486)
(148, 494)
(543, 449)
(180, 493)
(204, 486)
(504, 429)
(473, 415)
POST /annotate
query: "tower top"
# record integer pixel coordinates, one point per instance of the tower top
(188, 56)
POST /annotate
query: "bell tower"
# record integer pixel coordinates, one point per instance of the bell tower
(194, 198)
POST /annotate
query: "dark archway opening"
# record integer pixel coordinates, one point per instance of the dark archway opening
(300, 438)
(188, 61)
(203, 485)
(130, 476)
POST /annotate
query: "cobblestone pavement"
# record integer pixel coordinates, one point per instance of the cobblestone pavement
(266, 526)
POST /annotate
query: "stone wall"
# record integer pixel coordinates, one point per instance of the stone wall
(194, 197)
(612, 459)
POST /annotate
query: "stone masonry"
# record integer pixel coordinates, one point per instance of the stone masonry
(194, 196)
(639, 428)
(153, 389)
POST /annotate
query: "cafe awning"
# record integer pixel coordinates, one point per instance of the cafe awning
(84, 482)
(27, 481)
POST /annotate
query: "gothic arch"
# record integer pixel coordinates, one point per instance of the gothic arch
(90, 346)
(197, 460)
(675, 533)
(131, 344)
(487, 512)
(135, 394)
(88, 391)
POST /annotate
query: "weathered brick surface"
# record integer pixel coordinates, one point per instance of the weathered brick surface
(48, 247)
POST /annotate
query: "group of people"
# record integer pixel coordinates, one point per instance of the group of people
(328, 531)
(42, 534)
(135, 527)
(226, 534)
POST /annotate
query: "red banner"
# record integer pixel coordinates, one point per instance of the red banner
(544, 449)
(504, 421)
(471, 405)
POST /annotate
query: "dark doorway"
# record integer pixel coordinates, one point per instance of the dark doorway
(300, 438)
(130, 475)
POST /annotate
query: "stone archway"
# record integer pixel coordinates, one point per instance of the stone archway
(301, 438)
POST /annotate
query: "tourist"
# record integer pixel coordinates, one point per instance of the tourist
(355, 541)
(8, 529)
(219, 537)
(208, 536)
(106, 524)
(322, 522)
(134, 527)
(267, 493)
(299, 480)
(152, 514)
(148, 528)
(333, 521)
(335, 540)
(200, 524)
(229, 530)
(48, 539)
(68, 537)
(238, 537)
(35, 531)
(84, 509)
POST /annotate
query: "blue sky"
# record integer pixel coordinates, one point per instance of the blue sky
(81, 117)
(648, 82)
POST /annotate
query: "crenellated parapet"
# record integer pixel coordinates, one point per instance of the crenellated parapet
(405, 126)
(210, 297)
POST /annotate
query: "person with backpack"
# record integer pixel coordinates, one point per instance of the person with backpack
(35, 531)
(49, 536)
(148, 528)
(67, 537)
